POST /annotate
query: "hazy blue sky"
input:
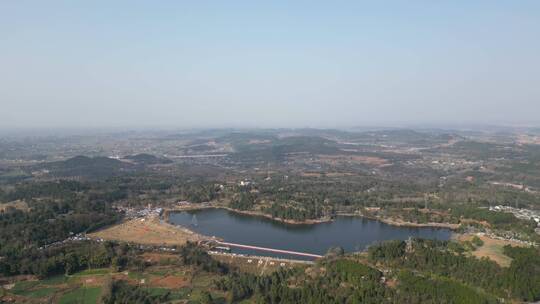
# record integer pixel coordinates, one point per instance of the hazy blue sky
(268, 63)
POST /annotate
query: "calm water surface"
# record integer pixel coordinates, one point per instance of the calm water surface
(351, 233)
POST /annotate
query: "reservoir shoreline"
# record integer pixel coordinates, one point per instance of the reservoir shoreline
(390, 221)
(353, 233)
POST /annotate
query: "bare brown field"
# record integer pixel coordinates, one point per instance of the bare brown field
(339, 174)
(471, 221)
(170, 281)
(21, 205)
(311, 174)
(401, 223)
(148, 231)
(328, 174)
(359, 159)
(524, 139)
(492, 249)
(156, 257)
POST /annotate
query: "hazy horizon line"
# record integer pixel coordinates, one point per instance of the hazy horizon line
(83, 130)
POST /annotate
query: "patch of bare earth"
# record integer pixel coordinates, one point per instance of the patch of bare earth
(311, 174)
(20, 205)
(169, 282)
(149, 231)
(471, 221)
(492, 249)
(358, 159)
(329, 174)
(156, 257)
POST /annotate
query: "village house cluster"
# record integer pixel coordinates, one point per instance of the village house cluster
(131, 212)
(524, 214)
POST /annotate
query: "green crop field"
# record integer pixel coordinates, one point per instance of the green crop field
(86, 295)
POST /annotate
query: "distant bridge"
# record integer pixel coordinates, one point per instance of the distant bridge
(304, 254)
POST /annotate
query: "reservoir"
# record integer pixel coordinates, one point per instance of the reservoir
(351, 233)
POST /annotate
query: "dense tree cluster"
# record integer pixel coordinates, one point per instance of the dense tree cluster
(191, 254)
(57, 210)
(273, 288)
(62, 189)
(422, 289)
(523, 276)
(298, 213)
(69, 258)
(438, 258)
(244, 201)
(347, 281)
(199, 192)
